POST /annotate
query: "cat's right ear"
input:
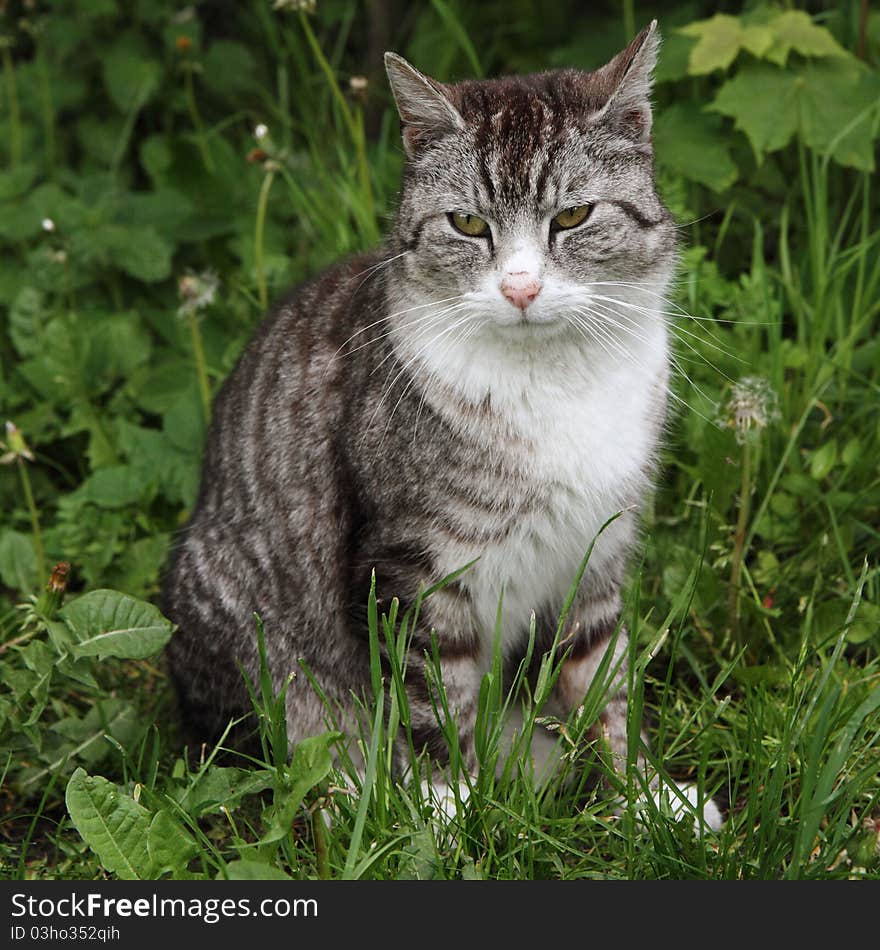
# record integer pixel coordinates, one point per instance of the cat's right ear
(425, 106)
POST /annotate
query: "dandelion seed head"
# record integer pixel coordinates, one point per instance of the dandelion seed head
(295, 6)
(197, 291)
(48, 225)
(16, 445)
(752, 406)
(261, 131)
(184, 15)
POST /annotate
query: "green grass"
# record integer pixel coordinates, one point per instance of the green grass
(754, 610)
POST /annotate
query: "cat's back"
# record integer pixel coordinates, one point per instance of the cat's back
(275, 501)
(301, 340)
(294, 384)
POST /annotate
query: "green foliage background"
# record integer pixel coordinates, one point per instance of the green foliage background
(134, 176)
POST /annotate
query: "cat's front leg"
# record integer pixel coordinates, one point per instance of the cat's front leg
(442, 686)
(599, 646)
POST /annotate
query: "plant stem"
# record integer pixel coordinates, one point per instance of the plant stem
(319, 834)
(745, 495)
(14, 111)
(48, 108)
(262, 202)
(199, 354)
(354, 122)
(35, 519)
(196, 117)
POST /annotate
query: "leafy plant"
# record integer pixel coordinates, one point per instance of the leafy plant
(165, 173)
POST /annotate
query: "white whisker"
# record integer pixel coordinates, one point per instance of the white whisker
(407, 365)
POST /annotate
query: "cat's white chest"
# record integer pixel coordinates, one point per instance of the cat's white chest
(584, 445)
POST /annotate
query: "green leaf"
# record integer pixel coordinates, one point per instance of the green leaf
(109, 623)
(158, 388)
(865, 625)
(223, 787)
(100, 138)
(311, 764)
(86, 734)
(184, 423)
(228, 68)
(720, 39)
(112, 824)
(839, 106)
(675, 54)
(130, 78)
(16, 181)
(823, 460)
(169, 845)
(763, 102)
(794, 30)
(693, 144)
(140, 252)
(155, 155)
(18, 562)
(118, 344)
(116, 486)
(27, 321)
(830, 103)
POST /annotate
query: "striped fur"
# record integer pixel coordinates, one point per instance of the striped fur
(398, 414)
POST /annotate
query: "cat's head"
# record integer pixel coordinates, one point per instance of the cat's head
(523, 193)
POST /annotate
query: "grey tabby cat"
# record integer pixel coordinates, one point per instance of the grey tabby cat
(491, 385)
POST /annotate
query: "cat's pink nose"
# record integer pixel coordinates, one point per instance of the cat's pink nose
(520, 289)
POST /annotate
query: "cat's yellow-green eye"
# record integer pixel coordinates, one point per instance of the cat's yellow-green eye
(572, 217)
(469, 224)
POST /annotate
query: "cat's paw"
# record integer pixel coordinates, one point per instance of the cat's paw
(706, 815)
(445, 799)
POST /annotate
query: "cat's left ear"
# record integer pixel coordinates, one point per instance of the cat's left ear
(628, 80)
(425, 105)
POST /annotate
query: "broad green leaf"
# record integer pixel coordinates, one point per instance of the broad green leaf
(830, 103)
(117, 486)
(141, 253)
(156, 156)
(109, 623)
(223, 786)
(16, 181)
(112, 824)
(720, 39)
(823, 460)
(158, 388)
(866, 623)
(763, 102)
(39, 658)
(794, 30)
(100, 138)
(27, 320)
(675, 54)
(130, 78)
(165, 210)
(86, 734)
(184, 423)
(169, 845)
(852, 452)
(839, 109)
(228, 68)
(118, 344)
(693, 144)
(18, 562)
